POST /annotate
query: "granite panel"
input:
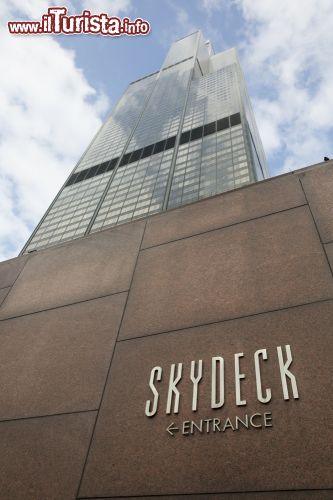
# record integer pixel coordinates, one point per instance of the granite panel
(42, 458)
(260, 495)
(265, 264)
(229, 208)
(132, 454)
(57, 361)
(94, 266)
(3, 294)
(10, 269)
(329, 253)
(318, 187)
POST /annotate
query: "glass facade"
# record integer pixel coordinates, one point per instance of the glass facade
(71, 213)
(181, 134)
(136, 191)
(112, 137)
(209, 165)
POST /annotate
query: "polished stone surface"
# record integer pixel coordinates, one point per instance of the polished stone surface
(329, 252)
(3, 294)
(10, 270)
(237, 255)
(42, 458)
(318, 187)
(265, 264)
(270, 495)
(230, 208)
(91, 267)
(132, 454)
(57, 361)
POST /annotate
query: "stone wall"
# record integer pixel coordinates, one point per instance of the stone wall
(83, 324)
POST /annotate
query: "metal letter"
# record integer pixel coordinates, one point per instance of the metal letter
(186, 425)
(208, 421)
(217, 404)
(195, 381)
(245, 423)
(238, 377)
(268, 418)
(216, 424)
(198, 427)
(151, 412)
(172, 388)
(286, 373)
(228, 425)
(252, 417)
(261, 398)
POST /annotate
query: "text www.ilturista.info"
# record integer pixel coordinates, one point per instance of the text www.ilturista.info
(57, 22)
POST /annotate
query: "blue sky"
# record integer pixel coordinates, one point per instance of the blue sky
(56, 91)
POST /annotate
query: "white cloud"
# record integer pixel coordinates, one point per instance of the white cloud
(181, 25)
(289, 47)
(269, 114)
(114, 7)
(48, 114)
(215, 4)
(29, 8)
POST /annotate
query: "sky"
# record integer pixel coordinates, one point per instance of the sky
(55, 91)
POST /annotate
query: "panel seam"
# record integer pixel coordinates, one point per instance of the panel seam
(180, 329)
(316, 226)
(224, 227)
(108, 371)
(61, 306)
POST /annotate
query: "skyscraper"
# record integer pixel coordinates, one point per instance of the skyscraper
(183, 133)
(186, 353)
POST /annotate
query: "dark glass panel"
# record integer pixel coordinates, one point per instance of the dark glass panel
(135, 156)
(185, 137)
(112, 164)
(103, 167)
(196, 133)
(159, 146)
(91, 172)
(223, 123)
(125, 159)
(235, 119)
(209, 128)
(170, 142)
(147, 151)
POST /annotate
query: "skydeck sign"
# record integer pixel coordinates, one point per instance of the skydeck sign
(217, 392)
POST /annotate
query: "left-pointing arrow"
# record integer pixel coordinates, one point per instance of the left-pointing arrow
(171, 428)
